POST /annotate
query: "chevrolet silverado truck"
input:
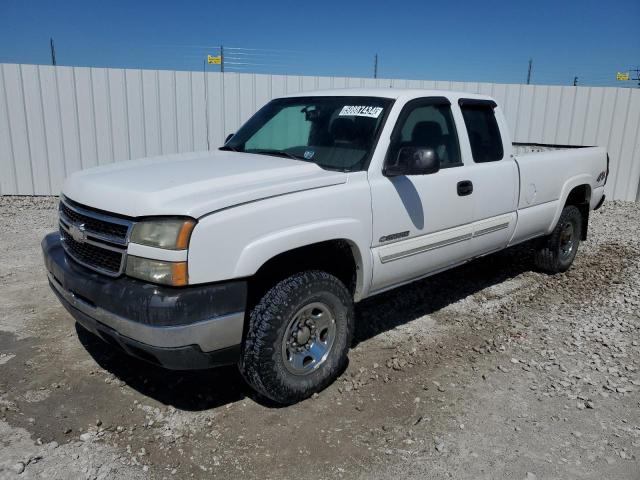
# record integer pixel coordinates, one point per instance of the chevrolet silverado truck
(256, 253)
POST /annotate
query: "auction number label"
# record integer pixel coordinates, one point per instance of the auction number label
(360, 111)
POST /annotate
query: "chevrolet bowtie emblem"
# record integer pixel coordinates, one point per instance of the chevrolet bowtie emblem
(78, 233)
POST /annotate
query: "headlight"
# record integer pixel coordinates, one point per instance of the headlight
(170, 233)
(158, 271)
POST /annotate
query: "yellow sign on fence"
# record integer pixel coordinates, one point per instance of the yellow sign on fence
(622, 76)
(214, 60)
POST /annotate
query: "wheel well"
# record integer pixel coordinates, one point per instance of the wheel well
(334, 256)
(580, 197)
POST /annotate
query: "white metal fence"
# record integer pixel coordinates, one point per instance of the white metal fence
(56, 120)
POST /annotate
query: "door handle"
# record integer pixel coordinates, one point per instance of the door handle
(465, 187)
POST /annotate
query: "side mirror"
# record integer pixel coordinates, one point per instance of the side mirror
(229, 137)
(414, 161)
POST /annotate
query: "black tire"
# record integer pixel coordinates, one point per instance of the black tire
(556, 252)
(262, 362)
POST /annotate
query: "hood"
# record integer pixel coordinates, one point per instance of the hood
(193, 184)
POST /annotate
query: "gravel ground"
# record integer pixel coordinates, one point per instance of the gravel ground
(491, 370)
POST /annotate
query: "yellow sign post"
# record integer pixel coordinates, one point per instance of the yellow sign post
(622, 76)
(211, 60)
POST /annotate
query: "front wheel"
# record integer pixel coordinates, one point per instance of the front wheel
(298, 338)
(557, 251)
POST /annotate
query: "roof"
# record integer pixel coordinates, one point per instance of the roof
(394, 93)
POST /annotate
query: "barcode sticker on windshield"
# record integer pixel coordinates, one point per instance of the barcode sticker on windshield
(360, 111)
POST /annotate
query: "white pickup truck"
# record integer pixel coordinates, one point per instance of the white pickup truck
(255, 254)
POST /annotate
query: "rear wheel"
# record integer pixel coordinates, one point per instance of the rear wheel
(298, 338)
(557, 251)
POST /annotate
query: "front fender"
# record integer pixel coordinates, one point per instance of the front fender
(236, 242)
(259, 251)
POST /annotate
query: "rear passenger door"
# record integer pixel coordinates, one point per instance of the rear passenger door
(494, 175)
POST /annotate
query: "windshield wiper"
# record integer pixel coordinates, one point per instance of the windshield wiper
(228, 148)
(278, 153)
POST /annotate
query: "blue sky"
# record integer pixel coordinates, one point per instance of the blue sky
(468, 41)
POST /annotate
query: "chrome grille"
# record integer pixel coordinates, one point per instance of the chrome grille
(94, 239)
(95, 225)
(90, 255)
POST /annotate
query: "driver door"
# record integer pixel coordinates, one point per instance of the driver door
(421, 223)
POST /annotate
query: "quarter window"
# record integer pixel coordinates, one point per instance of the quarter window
(484, 134)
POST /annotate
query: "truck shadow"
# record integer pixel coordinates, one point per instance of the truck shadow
(385, 311)
(192, 390)
(205, 389)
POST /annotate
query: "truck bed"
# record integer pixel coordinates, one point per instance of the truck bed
(546, 171)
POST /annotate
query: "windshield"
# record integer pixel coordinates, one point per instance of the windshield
(337, 133)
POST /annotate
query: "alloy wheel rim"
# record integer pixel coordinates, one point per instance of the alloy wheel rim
(567, 240)
(308, 338)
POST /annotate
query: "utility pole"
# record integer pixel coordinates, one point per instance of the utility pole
(575, 81)
(206, 101)
(529, 72)
(221, 59)
(375, 66)
(53, 51)
(637, 79)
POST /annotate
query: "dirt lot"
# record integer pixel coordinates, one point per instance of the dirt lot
(488, 371)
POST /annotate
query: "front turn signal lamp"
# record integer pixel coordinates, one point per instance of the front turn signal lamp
(169, 233)
(174, 274)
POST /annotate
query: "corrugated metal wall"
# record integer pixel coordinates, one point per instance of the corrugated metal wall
(56, 120)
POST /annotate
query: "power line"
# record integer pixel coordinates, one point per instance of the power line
(291, 61)
(256, 64)
(257, 54)
(268, 50)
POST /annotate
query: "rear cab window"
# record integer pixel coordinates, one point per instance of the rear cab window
(482, 129)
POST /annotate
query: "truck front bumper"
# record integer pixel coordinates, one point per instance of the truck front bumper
(178, 328)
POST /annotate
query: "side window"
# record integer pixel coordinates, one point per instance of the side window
(484, 134)
(430, 126)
